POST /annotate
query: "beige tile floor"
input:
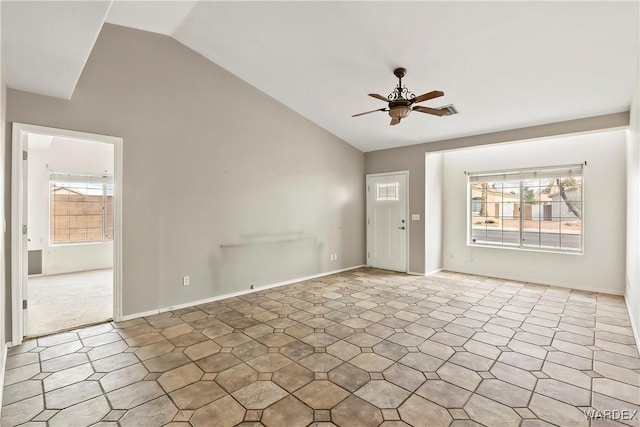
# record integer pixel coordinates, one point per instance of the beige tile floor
(65, 301)
(361, 348)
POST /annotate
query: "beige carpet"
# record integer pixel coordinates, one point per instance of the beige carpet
(66, 301)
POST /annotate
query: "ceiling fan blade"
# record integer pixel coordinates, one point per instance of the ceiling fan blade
(427, 96)
(368, 112)
(434, 111)
(394, 121)
(380, 97)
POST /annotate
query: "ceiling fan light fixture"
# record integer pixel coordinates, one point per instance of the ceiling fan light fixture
(399, 112)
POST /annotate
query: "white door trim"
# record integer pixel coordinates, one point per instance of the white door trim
(374, 175)
(20, 132)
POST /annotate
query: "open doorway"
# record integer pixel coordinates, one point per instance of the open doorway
(66, 202)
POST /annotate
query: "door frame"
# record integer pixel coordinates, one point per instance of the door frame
(408, 222)
(19, 273)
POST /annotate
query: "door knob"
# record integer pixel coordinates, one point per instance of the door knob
(401, 228)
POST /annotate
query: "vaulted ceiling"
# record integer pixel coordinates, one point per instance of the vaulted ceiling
(504, 65)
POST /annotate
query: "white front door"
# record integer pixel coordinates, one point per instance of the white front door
(387, 224)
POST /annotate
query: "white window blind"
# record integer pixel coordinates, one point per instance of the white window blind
(515, 175)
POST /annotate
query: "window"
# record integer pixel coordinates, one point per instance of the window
(539, 209)
(81, 209)
(387, 191)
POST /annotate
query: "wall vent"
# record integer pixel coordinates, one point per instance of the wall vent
(34, 259)
(451, 109)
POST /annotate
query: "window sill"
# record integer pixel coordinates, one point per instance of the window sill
(60, 245)
(521, 249)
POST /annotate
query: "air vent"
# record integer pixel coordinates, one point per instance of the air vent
(451, 109)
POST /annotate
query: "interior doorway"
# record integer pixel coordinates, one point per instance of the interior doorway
(66, 234)
(387, 224)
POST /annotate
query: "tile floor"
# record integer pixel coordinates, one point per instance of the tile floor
(64, 301)
(361, 348)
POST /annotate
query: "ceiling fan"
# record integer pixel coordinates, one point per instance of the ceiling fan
(401, 101)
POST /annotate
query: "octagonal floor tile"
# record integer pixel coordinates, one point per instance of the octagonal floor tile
(419, 412)
(259, 394)
(321, 394)
(353, 408)
(288, 412)
(224, 412)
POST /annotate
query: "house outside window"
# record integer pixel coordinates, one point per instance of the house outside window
(534, 209)
(476, 204)
(81, 209)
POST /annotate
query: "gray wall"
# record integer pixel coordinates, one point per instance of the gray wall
(601, 267)
(434, 211)
(412, 158)
(221, 182)
(632, 278)
(4, 193)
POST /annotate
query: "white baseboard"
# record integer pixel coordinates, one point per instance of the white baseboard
(141, 314)
(235, 294)
(3, 367)
(635, 330)
(430, 273)
(536, 281)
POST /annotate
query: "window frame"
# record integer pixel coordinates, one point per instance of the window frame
(104, 181)
(575, 170)
(388, 198)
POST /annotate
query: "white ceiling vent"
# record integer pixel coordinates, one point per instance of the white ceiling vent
(451, 109)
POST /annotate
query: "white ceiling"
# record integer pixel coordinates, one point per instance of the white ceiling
(504, 65)
(46, 44)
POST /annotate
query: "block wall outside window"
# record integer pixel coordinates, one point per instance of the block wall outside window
(81, 212)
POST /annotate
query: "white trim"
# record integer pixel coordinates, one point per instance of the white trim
(636, 335)
(408, 212)
(19, 132)
(141, 314)
(537, 282)
(431, 273)
(17, 269)
(236, 294)
(414, 273)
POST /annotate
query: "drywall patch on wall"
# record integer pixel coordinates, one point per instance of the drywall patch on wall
(601, 267)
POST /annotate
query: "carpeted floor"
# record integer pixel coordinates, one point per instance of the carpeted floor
(67, 301)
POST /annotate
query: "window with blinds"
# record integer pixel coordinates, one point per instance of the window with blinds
(81, 208)
(538, 209)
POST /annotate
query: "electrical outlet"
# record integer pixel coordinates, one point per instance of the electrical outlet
(185, 280)
(252, 287)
